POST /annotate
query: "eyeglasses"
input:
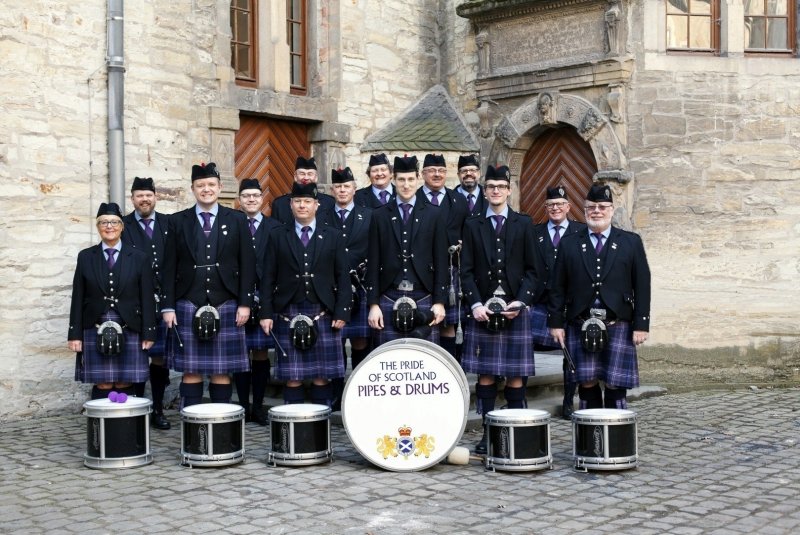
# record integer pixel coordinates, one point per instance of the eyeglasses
(468, 170)
(557, 204)
(113, 223)
(435, 170)
(499, 187)
(250, 195)
(598, 207)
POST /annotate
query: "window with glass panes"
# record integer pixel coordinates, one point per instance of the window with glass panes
(243, 40)
(296, 36)
(693, 25)
(769, 25)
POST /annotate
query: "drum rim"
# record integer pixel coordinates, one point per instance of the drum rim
(601, 412)
(307, 411)
(434, 351)
(194, 411)
(141, 407)
(507, 417)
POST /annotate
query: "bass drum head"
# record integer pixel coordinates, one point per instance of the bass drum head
(405, 406)
(212, 411)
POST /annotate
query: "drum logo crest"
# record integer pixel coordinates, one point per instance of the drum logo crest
(505, 451)
(202, 438)
(597, 435)
(405, 444)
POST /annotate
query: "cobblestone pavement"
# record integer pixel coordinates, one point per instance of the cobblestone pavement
(722, 462)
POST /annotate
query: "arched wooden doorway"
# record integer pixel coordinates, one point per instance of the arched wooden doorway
(557, 156)
(266, 149)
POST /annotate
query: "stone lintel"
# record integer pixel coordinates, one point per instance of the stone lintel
(481, 11)
(575, 76)
(283, 105)
(330, 131)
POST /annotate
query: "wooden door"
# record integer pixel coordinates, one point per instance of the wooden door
(266, 149)
(557, 157)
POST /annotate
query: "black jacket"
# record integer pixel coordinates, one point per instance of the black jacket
(623, 283)
(454, 210)
(282, 207)
(283, 270)
(428, 249)
(546, 256)
(132, 296)
(236, 262)
(365, 197)
(355, 232)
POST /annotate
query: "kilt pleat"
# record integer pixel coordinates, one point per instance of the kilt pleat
(508, 353)
(616, 364)
(225, 353)
(540, 333)
(130, 366)
(256, 339)
(159, 348)
(454, 312)
(389, 333)
(323, 360)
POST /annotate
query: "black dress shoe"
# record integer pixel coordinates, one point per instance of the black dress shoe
(259, 416)
(566, 410)
(480, 447)
(159, 421)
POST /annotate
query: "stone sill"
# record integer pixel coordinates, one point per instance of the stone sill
(756, 66)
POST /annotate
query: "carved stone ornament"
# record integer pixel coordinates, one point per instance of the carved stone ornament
(484, 52)
(590, 125)
(546, 105)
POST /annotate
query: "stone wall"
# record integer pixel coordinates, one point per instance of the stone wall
(53, 159)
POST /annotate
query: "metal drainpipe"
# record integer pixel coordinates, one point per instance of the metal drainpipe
(115, 61)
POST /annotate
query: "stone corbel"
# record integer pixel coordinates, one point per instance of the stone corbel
(616, 175)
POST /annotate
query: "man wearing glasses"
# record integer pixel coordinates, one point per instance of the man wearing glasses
(499, 280)
(603, 279)
(547, 237)
(305, 172)
(469, 171)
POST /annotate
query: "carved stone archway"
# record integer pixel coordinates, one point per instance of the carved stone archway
(515, 134)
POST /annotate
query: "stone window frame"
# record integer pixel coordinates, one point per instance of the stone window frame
(714, 23)
(250, 7)
(298, 85)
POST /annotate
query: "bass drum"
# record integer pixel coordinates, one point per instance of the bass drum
(405, 406)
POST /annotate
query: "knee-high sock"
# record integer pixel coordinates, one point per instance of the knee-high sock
(260, 381)
(294, 394)
(100, 393)
(159, 379)
(515, 397)
(242, 381)
(220, 392)
(616, 398)
(591, 397)
(486, 395)
(322, 394)
(191, 394)
(449, 344)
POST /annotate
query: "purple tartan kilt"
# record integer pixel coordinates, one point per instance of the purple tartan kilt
(225, 353)
(256, 339)
(616, 365)
(389, 333)
(508, 353)
(454, 312)
(159, 348)
(130, 366)
(358, 327)
(540, 333)
(323, 360)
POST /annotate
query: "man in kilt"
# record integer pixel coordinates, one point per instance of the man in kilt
(306, 298)
(499, 281)
(380, 189)
(407, 258)
(209, 276)
(305, 172)
(603, 279)
(112, 283)
(547, 237)
(453, 207)
(469, 174)
(354, 222)
(258, 343)
(146, 230)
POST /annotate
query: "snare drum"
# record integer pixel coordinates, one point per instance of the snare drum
(300, 435)
(212, 434)
(117, 434)
(604, 439)
(405, 406)
(518, 440)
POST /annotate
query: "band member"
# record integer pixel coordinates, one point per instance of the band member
(305, 172)
(469, 172)
(306, 298)
(454, 211)
(406, 262)
(499, 281)
(602, 278)
(209, 276)
(380, 191)
(547, 237)
(146, 230)
(258, 343)
(112, 313)
(354, 222)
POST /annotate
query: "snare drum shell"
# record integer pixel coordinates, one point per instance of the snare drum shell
(518, 439)
(212, 434)
(300, 435)
(605, 439)
(117, 434)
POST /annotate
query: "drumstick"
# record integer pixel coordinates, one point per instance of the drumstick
(568, 357)
(175, 330)
(277, 344)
